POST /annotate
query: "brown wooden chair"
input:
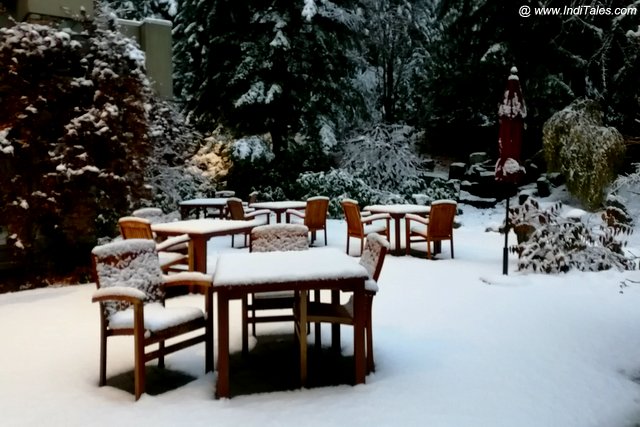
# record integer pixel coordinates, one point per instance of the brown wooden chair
(173, 252)
(436, 228)
(319, 312)
(131, 292)
(270, 238)
(360, 226)
(314, 216)
(237, 212)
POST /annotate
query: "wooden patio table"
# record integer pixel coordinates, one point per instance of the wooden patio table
(217, 203)
(397, 213)
(200, 231)
(240, 274)
(279, 207)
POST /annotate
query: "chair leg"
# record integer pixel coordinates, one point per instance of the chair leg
(348, 244)
(428, 249)
(208, 330)
(370, 361)
(245, 326)
(407, 236)
(103, 357)
(451, 247)
(139, 362)
(232, 238)
(362, 245)
(161, 356)
(325, 235)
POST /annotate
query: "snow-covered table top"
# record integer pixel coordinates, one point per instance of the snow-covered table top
(206, 226)
(398, 209)
(217, 201)
(286, 204)
(291, 266)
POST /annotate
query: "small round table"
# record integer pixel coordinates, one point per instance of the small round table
(279, 207)
(397, 213)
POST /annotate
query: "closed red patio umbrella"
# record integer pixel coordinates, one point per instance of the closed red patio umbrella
(511, 113)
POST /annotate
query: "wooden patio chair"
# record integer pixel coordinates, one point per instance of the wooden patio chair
(319, 312)
(270, 238)
(360, 226)
(436, 228)
(173, 252)
(131, 292)
(314, 216)
(237, 212)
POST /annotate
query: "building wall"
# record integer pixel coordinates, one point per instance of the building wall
(153, 35)
(62, 8)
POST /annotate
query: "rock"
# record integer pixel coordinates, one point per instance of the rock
(478, 157)
(457, 170)
(543, 187)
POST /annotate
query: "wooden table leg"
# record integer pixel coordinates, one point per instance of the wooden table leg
(302, 339)
(335, 327)
(199, 245)
(359, 302)
(222, 383)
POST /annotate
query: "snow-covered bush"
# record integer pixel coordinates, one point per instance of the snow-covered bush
(438, 189)
(83, 140)
(587, 153)
(74, 126)
(624, 191)
(173, 172)
(337, 184)
(385, 158)
(556, 244)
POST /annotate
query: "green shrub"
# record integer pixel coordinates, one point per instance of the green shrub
(586, 152)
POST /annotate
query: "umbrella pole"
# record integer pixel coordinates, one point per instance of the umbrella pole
(505, 250)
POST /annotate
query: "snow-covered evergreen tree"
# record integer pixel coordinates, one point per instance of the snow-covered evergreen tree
(385, 157)
(560, 58)
(396, 42)
(140, 9)
(281, 68)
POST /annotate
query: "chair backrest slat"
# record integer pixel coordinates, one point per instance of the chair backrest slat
(132, 263)
(135, 228)
(236, 211)
(373, 255)
(315, 214)
(279, 237)
(352, 215)
(441, 219)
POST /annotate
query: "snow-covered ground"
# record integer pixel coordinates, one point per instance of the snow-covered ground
(457, 344)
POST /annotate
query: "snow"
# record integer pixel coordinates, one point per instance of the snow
(156, 317)
(273, 267)
(456, 344)
(279, 237)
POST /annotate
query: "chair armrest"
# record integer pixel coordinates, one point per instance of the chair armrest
(188, 278)
(172, 241)
(375, 217)
(295, 212)
(258, 212)
(119, 293)
(413, 217)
